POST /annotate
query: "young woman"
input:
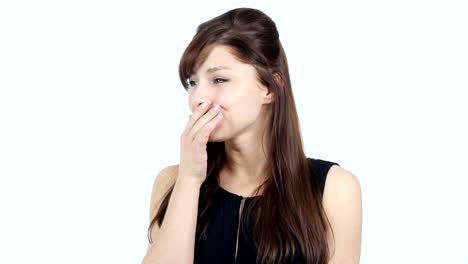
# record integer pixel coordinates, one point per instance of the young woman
(244, 190)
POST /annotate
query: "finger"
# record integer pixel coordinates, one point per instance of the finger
(202, 121)
(210, 114)
(199, 111)
(201, 138)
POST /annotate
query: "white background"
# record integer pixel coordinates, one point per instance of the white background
(91, 109)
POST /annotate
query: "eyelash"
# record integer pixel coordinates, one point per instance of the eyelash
(190, 82)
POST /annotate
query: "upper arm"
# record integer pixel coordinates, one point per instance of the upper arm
(342, 202)
(165, 179)
(161, 185)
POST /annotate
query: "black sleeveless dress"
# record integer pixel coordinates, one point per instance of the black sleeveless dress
(222, 234)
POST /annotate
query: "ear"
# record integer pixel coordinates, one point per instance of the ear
(279, 81)
(268, 98)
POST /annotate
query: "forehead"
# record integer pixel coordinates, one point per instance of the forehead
(219, 58)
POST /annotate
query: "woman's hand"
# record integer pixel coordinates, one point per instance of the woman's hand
(193, 141)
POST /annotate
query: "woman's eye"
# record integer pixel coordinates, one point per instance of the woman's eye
(220, 80)
(192, 83)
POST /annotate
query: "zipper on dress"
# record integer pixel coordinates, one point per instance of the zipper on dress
(238, 225)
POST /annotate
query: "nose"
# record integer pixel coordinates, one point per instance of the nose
(195, 103)
(202, 93)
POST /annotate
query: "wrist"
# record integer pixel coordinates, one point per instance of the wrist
(189, 182)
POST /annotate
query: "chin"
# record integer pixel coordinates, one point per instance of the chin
(215, 137)
(219, 136)
(215, 140)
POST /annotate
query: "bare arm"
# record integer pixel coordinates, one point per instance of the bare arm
(342, 202)
(174, 241)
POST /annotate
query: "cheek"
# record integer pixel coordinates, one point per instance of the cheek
(240, 107)
(242, 113)
(190, 102)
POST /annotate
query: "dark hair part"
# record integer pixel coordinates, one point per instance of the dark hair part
(291, 200)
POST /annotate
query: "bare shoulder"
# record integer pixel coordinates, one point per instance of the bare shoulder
(342, 202)
(341, 182)
(167, 175)
(163, 182)
(342, 197)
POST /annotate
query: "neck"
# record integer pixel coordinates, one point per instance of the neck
(246, 160)
(244, 166)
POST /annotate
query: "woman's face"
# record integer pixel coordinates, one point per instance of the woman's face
(233, 85)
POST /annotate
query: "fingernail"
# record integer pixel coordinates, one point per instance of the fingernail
(204, 104)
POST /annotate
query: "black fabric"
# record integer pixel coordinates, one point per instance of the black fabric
(220, 245)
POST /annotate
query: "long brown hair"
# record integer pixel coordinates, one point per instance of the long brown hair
(290, 201)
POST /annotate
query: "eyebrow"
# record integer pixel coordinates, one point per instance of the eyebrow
(214, 69)
(218, 68)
